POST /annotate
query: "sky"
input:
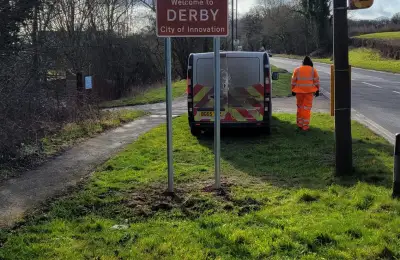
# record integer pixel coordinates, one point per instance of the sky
(380, 8)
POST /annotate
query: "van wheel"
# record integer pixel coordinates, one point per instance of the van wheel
(195, 131)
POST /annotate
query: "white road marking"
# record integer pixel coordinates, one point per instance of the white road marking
(354, 69)
(366, 83)
(396, 92)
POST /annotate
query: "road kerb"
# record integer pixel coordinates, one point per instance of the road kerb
(370, 124)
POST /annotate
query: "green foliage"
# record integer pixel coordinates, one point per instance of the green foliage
(318, 11)
(280, 200)
(12, 15)
(282, 87)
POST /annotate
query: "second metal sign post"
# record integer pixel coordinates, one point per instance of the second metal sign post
(193, 18)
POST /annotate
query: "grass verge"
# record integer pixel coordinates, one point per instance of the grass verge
(282, 87)
(65, 137)
(150, 96)
(280, 201)
(362, 58)
(72, 133)
(382, 35)
(156, 95)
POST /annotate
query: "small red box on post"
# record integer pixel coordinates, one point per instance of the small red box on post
(192, 18)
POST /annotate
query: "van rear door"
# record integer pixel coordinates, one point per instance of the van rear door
(246, 87)
(203, 89)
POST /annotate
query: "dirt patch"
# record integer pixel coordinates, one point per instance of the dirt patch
(243, 206)
(224, 191)
(354, 234)
(307, 197)
(190, 200)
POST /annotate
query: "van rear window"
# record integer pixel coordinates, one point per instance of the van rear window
(205, 72)
(242, 72)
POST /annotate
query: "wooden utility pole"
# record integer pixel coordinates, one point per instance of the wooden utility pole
(343, 138)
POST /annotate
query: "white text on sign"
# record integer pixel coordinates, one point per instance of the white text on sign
(192, 15)
(192, 18)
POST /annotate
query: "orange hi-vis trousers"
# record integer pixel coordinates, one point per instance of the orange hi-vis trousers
(304, 105)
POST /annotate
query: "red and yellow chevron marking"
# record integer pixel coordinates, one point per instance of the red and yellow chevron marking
(246, 115)
(251, 111)
(229, 118)
(259, 88)
(197, 89)
(257, 93)
(200, 96)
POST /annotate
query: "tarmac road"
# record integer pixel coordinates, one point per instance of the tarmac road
(375, 95)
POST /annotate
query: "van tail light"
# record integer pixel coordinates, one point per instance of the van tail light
(267, 86)
(267, 83)
(189, 92)
(188, 83)
(267, 89)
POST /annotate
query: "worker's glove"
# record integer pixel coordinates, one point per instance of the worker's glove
(293, 94)
(316, 93)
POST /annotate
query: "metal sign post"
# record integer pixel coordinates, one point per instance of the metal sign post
(207, 18)
(217, 111)
(168, 76)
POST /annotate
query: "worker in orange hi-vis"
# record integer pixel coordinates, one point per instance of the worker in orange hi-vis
(305, 84)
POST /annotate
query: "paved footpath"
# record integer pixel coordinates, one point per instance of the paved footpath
(26, 192)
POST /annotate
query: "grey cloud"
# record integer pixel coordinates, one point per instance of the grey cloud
(386, 8)
(380, 8)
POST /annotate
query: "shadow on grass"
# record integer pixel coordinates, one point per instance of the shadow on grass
(292, 158)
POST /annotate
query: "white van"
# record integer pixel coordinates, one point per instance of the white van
(246, 90)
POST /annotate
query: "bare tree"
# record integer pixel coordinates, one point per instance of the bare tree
(49, 39)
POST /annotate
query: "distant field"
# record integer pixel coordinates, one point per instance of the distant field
(384, 35)
(362, 58)
(371, 59)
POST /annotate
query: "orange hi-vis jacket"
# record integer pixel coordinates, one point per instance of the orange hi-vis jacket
(305, 79)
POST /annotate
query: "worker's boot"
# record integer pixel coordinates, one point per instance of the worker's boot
(300, 123)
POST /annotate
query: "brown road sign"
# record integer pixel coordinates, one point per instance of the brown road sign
(192, 18)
